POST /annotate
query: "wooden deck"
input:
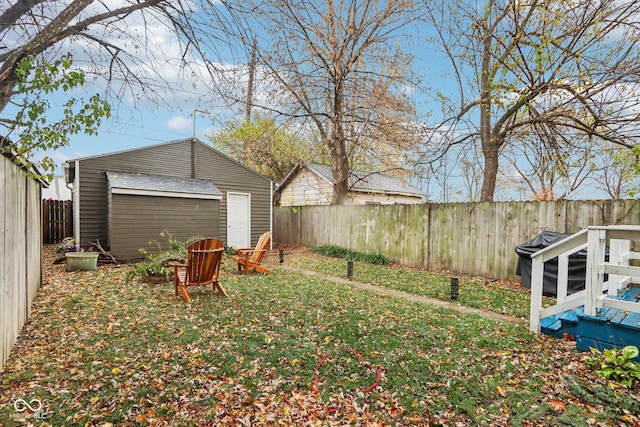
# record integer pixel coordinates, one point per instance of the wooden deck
(606, 314)
(608, 329)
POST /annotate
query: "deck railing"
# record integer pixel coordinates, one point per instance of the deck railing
(593, 297)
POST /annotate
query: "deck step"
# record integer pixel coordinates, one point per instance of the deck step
(560, 324)
(608, 329)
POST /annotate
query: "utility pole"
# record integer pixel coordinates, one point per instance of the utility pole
(252, 72)
(193, 143)
(194, 120)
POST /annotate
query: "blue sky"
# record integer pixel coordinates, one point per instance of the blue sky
(138, 123)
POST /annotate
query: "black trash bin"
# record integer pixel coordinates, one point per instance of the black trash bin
(577, 264)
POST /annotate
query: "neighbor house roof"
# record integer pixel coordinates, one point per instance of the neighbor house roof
(365, 182)
(158, 185)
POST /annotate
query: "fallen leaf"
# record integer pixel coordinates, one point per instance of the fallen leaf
(557, 405)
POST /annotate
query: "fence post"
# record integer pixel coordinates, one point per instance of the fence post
(594, 275)
(537, 280)
(68, 213)
(45, 221)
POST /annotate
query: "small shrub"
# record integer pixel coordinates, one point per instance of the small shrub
(616, 365)
(348, 254)
(230, 251)
(157, 264)
(331, 250)
(378, 259)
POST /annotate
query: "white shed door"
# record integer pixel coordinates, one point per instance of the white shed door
(238, 220)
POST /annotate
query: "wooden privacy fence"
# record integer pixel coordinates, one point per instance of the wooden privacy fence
(57, 220)
(20, 251)
(469, 238)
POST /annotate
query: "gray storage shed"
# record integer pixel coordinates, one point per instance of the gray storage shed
(186, 188)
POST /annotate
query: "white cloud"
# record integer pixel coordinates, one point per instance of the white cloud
(151, 67)
(179, 123)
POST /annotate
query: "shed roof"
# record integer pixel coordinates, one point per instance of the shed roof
(159, 185)
(359, 181)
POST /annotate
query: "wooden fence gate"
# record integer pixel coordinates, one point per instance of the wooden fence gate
(57, 220)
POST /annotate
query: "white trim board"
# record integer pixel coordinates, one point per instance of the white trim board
(165, 194)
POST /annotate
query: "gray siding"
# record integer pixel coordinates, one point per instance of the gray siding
(141, 219)
(170, 159)
(166, 159)
(229, 176)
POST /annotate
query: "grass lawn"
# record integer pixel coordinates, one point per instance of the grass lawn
(501, 297)
(291, 349)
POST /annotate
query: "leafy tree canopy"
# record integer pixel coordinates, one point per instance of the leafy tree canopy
(265, 146)
(33, 129)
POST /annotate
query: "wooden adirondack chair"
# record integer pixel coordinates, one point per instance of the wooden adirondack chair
(250, 259)
(202, 267)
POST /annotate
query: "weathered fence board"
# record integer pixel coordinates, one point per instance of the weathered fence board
(4, 292)
(470, 238)
(20, 251)
(33, 250)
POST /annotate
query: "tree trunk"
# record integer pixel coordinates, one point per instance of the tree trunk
(340, 166)
(490, 149)
(340, 180)
(490, 154)
(338, 150)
